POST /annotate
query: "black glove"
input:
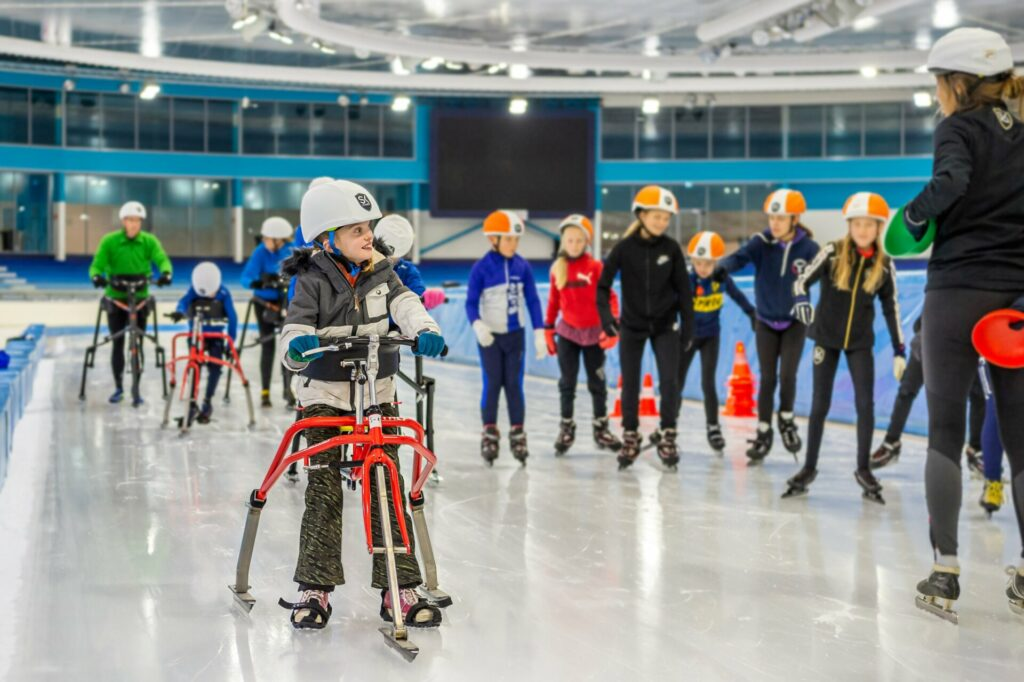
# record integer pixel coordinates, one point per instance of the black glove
(753, 321)
(164, 279)
(269, 280)
(176, 316)
(719, 274)
(99, 281)
(611, 328)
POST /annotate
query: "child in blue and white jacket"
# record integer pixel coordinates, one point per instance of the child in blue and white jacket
(501, 293)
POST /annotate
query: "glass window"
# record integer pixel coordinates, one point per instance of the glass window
(44, 117)
(726, 210)
(765, 132)
(329, 130)
(729, 132)
(30, 194)
(655, 141)
(615, 214)
(155, 124)
(398, 133)
(118, 121)
(220, 129)
(170, 218)
(210, 218)
(364, 131)
(291, 125)
(14, 115)
(393, 198)
(618, 133)
(844, 125)
(882, 128)
(692, 133)
(805, 130)
(258, 128)
(144, 190)
(84, 121)
(920, 125)
(692, 210)
(189, 118)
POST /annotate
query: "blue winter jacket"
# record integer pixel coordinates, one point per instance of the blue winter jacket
(263, 262)
(501, 292)
(225, 300)
(708, 301)
(410, 276)
(776, 266)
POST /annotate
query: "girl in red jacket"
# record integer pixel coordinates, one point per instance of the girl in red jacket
(577, 331)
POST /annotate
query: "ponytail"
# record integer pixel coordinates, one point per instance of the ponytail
(1013, 91)
(972, 92)
(560, 270)
(632, 229)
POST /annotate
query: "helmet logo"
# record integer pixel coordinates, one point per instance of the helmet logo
(364, 201)
(776, 206)
(668, 201)
(701, 250)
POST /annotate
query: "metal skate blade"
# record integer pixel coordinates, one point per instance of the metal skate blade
(927, 604)
(874, 497)
(1017, 607)
(243, 599)
(405, 647)
(438, 598)
(794, 492)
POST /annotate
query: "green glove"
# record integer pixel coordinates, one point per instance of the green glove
(899, 241)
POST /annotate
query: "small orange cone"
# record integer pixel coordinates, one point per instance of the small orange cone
(648, 401)
(740, 400)
(617, 410)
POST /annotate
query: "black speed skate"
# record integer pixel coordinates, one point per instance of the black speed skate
(630, 449)
(668, 451)
(937, 594)
(566, 437)
(872, 488)
(517, 442)
(800, 483)
(760, 446)
(886, 454)
(603, 437)
(715, 438)
(790, 435)
(489, 444)
(1015, 590)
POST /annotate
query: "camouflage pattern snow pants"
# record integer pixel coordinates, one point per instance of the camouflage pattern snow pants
(319, 563)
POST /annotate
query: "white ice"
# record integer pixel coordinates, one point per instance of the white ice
(118, 541)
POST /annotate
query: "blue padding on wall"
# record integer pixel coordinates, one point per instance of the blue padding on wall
(16, 387)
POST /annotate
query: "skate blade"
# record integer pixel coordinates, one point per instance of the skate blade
(243, 599)
(795, 492)
(874, 497)
(408, 650)
(438, 598)
(1017, 608)
(930, 605)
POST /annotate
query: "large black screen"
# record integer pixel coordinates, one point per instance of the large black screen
(485, 160)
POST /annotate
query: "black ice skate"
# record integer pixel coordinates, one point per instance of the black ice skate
(937, 594)
(760, 446)
(800, 484)
(292, 474)
(1015, 590)
(566, 437)
(715, 438)
(489, 444)
(790, 435)
(630, 449)
(886, 454)
(604, 438)
(872, 488)
(668, 451)
(517, 442)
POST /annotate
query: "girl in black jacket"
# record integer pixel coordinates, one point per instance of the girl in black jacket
(655, 291)
(853, 272)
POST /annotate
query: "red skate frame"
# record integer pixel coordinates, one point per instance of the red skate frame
(197, 356)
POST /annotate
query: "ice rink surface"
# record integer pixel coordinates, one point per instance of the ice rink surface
(118, 540)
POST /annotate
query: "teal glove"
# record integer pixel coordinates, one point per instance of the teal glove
(301, 344)
(429, 344)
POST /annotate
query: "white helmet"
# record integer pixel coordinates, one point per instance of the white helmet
(322, 180)
(396, 232)
(976, 51)
(132, 209)
(335, 204)
(206, 279)
(276, 227)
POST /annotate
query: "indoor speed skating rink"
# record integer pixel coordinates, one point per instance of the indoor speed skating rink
(119, 540)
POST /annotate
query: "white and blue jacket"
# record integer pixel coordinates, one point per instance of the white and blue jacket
(501, 292)
(223, 297)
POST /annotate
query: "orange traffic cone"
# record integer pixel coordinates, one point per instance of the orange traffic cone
(648, 401)
(740, 400)
(617, 410)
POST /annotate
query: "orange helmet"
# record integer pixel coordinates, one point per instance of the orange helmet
(504, 223)
(654, 198)
(866, 205)
(785, 202)
(580, 221)
(706, 245)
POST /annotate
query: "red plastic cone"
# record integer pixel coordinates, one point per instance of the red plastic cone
(740, 400)
(648, 401)
(617, 410)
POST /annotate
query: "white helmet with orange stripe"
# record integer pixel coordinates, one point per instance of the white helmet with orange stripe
(866, 205)
(580, 221)
(785, 202)
(707, 245)
(655, 198)
(504, 223)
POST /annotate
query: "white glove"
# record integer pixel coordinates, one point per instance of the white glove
(540, 344)
(803, 310)
(484, 335)
(899, 366)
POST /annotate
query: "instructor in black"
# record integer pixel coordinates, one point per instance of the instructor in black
(974, 206)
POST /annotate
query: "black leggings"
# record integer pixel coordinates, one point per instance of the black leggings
(666, 356)
(861, 364)
(778, 353)
(569, 354)
(117, 319)
(950, 367)
(708, 347)
(268, 332)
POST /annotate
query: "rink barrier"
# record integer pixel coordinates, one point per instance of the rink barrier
(16, 381)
